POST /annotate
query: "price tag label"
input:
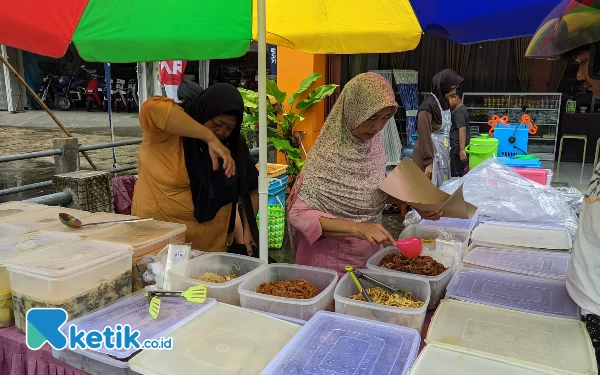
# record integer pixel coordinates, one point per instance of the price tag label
(178, 255)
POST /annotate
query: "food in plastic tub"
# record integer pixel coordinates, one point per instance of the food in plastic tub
(555, 344)
(516, 292)
(322, 279)
(333, 343)
(536, 236)
(223, 340)
(78, 277)
(421, 265)
(299, 289)
(88, 231)
(33, 241)
(10, 230)
(464, 362)
(433, 232)
(7, 316)
(146, 238)
(43, 219)
(407, 317)
(184, 275)
(14, 208)
(546, 264)
(131, 310)
(437, 283)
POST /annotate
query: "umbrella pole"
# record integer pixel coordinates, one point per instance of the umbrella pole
(263, 181)
(43, 105)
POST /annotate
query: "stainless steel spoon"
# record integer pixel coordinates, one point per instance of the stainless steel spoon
(73, 222)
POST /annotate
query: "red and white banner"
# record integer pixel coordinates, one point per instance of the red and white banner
(171, 76)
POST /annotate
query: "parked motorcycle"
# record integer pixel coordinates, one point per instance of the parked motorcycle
(94, 94)
(73, 90)
(46, 92)
(132, 96)
(120, 95)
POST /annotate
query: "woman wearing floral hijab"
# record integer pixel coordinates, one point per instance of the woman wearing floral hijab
(335, 208)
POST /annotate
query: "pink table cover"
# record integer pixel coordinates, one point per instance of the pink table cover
(17, 359)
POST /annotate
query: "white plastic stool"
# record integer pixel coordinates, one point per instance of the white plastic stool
(572, 136)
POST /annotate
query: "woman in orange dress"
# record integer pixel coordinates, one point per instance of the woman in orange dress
(194, 167)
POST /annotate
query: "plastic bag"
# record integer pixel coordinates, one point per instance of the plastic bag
(156, 265)
(501, 193)
(572, 196)
(412, 217)
(441, 156)
(447, 243)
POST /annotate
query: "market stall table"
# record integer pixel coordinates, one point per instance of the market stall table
(17, 359)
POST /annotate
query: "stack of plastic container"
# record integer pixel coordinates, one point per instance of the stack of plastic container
(42, 219)
(338, 344)
(132, 310)
(14, 208)
(529, 167)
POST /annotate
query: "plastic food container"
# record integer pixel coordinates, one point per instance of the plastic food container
(322, 279)
(286, 318)
(339, 344)
(549, 343)
(146, 238)
(407, 317)
(14, 208)
(223, 340)
(549, 265)
(132, 310)
(534, 174)
(33, 241)
(10, 230)
(516, 292)
(7, 316)
(183, 275)
(78, 277)
(450, 222)
(88, 231)
(522, 235)
(439, 360)
(437, 284)
(432, 232)
(43, 219)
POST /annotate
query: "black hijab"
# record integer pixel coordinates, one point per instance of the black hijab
(212, 190)
(443, 82)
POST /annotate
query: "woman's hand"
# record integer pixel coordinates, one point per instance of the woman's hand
(249, 241)
(429, 171)
(374, 233)
(216, 151)
(430, 215)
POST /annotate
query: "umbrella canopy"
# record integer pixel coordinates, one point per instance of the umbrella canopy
(152, 30)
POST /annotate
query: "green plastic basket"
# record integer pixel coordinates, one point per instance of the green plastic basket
(276, 225)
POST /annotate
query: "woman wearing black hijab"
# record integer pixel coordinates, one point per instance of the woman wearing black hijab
(182, 180)
(431, 115)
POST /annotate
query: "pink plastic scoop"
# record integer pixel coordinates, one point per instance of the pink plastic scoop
(410, 247)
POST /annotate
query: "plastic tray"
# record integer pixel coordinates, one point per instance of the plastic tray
(535, 340)
(520, 163)
(43, 219)
(522, 235)
(93, 363)
(223, 340)
(534, 174)
(432, 231)
(10, 230)
(407, 317)
(439, 360)
(322, 279)
(450, 222)
(183, 275)
(338, 344)
(437, 284)
(14, 208)
(516, 292)
(550, 265)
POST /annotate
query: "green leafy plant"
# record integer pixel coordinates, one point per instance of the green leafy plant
(250, 119)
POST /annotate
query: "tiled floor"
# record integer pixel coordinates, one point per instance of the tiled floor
(571, 173)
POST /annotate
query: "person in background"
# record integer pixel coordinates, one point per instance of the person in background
(433, 115)
(335, 207)
(181, 177)
(459, 135)
(572, 31)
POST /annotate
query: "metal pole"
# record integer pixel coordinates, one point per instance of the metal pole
(101, 146)
(21, 189)
(55, 199)
(30, 155)
(263, 180)
(41, 103)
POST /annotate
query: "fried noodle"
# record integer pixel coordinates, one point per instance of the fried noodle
(300, 289)
(384, 297)
(421, 265)
(211, 277)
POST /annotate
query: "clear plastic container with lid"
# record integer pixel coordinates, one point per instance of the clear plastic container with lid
(185, 274)
(546, 264)
(440, 360)
(534, 236)
(33, 241)
(437, 284)
(450, 222)
(429, 234)
(223, 340)
(43, 219)
(339, 344)
(516, 292)
(322, 279)
(77, 276)
(14, 208)
(406, 317)
(10, 230)
(132, 310)
(98, 217)
(555, 344)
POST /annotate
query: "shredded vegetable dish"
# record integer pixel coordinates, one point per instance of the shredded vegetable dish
(300, 289)
(384, 297)
(421, 265)
(211, 277)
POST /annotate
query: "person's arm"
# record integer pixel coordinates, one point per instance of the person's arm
(374, 233)
(424, 120)
(462, 123)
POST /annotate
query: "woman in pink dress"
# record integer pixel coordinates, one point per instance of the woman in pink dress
(335, 208)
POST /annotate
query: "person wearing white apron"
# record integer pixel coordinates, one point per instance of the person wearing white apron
(434, 119)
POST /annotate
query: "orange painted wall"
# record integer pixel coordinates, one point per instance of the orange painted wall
(292, 67)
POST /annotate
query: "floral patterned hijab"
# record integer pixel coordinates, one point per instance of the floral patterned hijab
(342, 172)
